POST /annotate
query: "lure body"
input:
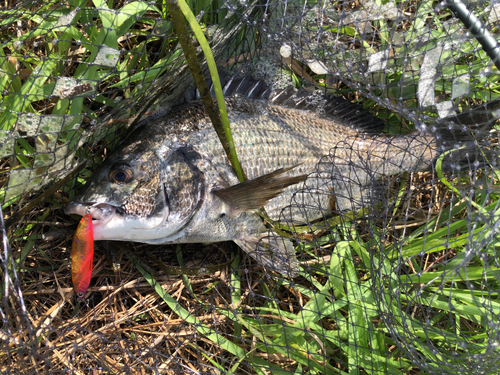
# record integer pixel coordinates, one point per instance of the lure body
(82, 256)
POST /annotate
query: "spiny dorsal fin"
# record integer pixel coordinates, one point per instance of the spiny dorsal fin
(232, 86)
(333, 107)
(252, 194)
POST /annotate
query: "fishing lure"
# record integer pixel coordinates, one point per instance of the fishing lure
(82, 256)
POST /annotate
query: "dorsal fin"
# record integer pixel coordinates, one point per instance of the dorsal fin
(328, 106)
(246, 87)
(331, 106)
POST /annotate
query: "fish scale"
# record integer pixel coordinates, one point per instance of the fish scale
(178, 158)
(281, 138)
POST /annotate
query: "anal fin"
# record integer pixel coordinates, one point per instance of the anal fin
(272, 252)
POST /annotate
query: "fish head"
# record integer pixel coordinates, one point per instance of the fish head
(140, 196)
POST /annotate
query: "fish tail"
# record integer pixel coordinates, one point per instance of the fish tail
(464, 139)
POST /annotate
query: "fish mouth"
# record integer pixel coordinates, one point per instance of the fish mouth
(100, 212)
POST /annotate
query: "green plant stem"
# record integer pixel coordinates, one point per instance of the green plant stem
(178, 10)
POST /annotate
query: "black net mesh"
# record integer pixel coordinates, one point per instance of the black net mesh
(398, 270)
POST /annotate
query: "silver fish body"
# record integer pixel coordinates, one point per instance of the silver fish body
(171, 182)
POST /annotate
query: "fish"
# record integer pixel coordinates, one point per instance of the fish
(170, 182)
(82, 256)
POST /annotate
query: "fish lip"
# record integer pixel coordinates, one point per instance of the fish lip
(100, 212)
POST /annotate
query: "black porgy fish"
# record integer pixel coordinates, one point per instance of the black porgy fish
(170, 181)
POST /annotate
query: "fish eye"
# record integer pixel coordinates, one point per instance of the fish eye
(121, 174)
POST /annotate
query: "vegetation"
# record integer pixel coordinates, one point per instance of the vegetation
(427, 270)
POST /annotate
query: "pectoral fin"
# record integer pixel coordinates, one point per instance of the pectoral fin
(253, 194)
(273, 252)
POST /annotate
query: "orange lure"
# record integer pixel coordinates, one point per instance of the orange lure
(82, 256)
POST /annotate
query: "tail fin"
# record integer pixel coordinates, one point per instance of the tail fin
(465, 138)
(478, 116)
